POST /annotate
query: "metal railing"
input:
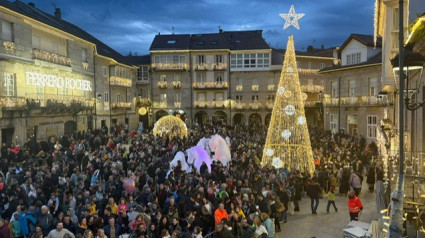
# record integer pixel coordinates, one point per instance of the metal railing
(121, 105)
(312, 88)
(169, 66)
(209, 85)
(357, 101)
(115, 80)
(51, 57)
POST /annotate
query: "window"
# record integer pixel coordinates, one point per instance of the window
(169, 59)
(354, 58)
(334, 92)
(334, 123)
(6, 31)
(128, 97)
(373, 87)
(310, 81)
(352, 88)
(201, 78)
(9, 84)
(106, 97)
(36, 42)
(250, 60)
(238, 98)
(105, 71)
(201, 97)
(219, 59)
(309, 65)
(322, 65)
(299, 64)
(201, 59)
(372, 124)
(143, 73)
(177, 99)
(219, 78)
(118, 98)
(171, 42)
(177, 78)
(64, 92)
(219, 97)
(84, 55)
(163, 78)
(270, 98)
(254, 98)
(163, 99)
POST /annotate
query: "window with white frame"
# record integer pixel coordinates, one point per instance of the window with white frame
(373, 87)
(169, 59)
(238, 98)
(270, 98)
(201, 78)
(106, 97)
(309, 65)
(218, 59)
(177, 99)
(333, 122)
(9, 84)
(6, 30)
(254, 98)
(334, 92)
(299, 64)
(118, 98)
(372, 125)
(177, 78)
(201, 97)
(354, 58)
(163, 99)
(219, 97)
(201, 59)
(163, 78)
(322, 65)
(352, 88)
(219, 78)
(260, 60)
(128, 97)
(105, 71)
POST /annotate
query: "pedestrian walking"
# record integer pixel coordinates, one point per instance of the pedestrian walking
(355, 206)
(331, 199)
(313, 191)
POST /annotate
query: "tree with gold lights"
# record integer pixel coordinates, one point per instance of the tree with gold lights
(288, 142)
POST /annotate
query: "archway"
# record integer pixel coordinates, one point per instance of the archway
(70, 127)
(254, 118)
(239, 118)
(219, 117)
(159, 114)
(201, 117)
(267, 119)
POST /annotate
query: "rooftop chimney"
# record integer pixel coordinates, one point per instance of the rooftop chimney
(323, 47)
(31, 4)
(58, 14)
(220, 31)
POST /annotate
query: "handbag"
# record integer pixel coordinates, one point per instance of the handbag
(281, 208)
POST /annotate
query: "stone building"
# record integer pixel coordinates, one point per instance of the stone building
(57, 77)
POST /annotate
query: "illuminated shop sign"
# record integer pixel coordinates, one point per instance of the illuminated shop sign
(52, 81)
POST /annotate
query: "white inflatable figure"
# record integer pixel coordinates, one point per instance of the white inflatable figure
(197, 156)
(204, 143)
(179, 157)
(221, 149)
(227, 141)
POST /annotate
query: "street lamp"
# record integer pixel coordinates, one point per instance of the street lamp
(98, 97)
(396, 215)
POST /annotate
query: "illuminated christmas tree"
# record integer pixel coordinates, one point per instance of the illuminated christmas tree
(288, 142)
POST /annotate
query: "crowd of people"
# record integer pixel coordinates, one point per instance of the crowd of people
(73, 185)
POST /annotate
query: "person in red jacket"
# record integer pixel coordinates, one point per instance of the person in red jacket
(220, 214)
(354, 206)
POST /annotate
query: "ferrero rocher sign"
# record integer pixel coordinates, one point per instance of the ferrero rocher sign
(53, 81)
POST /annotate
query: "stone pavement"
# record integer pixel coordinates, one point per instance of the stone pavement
(303, 224)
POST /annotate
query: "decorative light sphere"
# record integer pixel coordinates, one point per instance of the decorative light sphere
(287, 94)
(301, 120)
(269, 152)
(290, 110)
(143, 111)
(281, 90)
(286, 134)
(277, 162)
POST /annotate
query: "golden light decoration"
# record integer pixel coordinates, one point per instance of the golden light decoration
(143, 111)
(170, 126)
(304, 96)
(287, 134)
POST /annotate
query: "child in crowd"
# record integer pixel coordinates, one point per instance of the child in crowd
(331, 199)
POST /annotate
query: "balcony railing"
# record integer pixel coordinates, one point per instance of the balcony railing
(239, 87)
(255, 87)
(308, 71)
(219, 66)
(219, 104)
(162, 84)
(313, 103)
(271, 87)
(177, 104)
(13, 102)
(255, 105)
(120, 81)
(240, 105)
(50, 101)
(210, 85)
(312, 88)
(170, 66)
(200, 104)
(200, 67)
(142, 102)
(177, 84)
(9, 47)
(160, 104)
(51, 57)
(121, 105)
(358, 101)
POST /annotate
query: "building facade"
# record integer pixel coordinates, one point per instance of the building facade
(352, 101)
(228, 76)
(51, 71)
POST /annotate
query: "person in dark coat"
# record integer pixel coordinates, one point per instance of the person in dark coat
(112, 226)
(371, 178)
(313, 191)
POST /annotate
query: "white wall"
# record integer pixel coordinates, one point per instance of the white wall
(353, 47)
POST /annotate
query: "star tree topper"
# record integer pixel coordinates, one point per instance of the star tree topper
(292, 18)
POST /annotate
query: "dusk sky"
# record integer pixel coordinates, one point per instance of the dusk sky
(132, 24)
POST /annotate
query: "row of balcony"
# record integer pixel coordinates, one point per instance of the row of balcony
(121, 105)
(357, 101)
(215, 66)
(121, 81)
(51, 57)
(185, 66)
(36, 101)
(311, 88)
(196, 85)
